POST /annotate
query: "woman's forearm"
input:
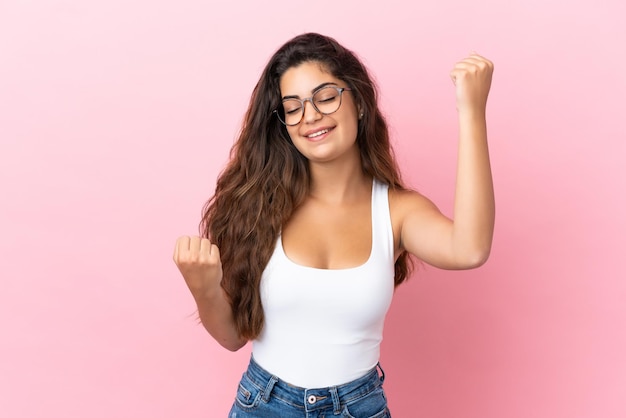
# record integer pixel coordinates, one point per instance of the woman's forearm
(474, 204)
(216, 316)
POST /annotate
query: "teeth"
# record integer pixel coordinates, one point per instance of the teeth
(323, 131)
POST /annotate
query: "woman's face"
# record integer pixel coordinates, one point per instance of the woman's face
(320, 137)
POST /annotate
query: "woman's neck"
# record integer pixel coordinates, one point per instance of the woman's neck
(339, 183)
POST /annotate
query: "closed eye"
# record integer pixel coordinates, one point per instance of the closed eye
(327, 99)
(292, 111)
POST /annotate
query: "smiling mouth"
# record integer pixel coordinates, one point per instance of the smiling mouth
(318, 133)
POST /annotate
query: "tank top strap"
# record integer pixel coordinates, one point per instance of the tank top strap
(381, 221)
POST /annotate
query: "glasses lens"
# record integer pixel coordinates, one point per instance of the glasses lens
(292, 112)
(327, 100)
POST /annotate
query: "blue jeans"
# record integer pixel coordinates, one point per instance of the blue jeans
(262, 395)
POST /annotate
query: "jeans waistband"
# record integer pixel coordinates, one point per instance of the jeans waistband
(316, 398)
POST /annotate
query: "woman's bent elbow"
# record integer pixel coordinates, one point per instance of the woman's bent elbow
(468, 260)
(477, 258)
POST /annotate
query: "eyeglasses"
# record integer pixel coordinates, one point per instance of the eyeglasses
(326, 100)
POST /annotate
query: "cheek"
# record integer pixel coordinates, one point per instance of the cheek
(351, 126)
(293, 133)
(350, 120)
(295, 138)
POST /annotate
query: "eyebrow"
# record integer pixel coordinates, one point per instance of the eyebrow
(315, 90)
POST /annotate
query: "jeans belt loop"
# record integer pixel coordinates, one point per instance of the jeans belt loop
(268, 389)
(336, 402)
(382, 373)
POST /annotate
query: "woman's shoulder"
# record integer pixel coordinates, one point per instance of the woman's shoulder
(407, 200)
(412, 206)
(405, 206)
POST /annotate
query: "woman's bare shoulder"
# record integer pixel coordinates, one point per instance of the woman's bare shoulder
(407, 206)
(401, 201)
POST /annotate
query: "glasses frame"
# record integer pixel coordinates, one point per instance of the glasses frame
(340, 90)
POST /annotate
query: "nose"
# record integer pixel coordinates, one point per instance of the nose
(310, 112)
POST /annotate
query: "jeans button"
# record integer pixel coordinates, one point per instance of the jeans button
(311, 399)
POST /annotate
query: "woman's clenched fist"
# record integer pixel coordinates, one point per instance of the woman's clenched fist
(472, 78)
(199, 262)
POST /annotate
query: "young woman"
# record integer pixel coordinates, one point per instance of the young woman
(310, 229)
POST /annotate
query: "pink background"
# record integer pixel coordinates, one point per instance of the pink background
(116, 117)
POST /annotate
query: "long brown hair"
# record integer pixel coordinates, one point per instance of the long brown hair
(267, 177)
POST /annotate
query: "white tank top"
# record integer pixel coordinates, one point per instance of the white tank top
(324, 327)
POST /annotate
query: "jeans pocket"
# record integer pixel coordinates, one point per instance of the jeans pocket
(248, 394)
(372, 405)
